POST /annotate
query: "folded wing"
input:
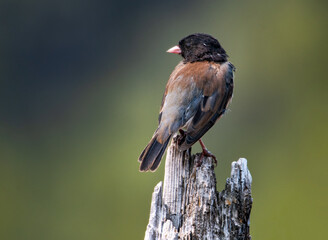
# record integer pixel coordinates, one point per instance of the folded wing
(213, 104)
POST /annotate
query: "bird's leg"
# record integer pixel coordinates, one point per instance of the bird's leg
(205, 153)
(181, 137)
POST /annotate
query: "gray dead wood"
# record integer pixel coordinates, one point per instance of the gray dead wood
(189, 206)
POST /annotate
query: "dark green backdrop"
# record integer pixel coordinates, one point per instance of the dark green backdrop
(80, 87)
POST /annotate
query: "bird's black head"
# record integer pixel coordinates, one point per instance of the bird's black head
(201, 47)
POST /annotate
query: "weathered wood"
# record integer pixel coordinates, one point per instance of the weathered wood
(189, 206)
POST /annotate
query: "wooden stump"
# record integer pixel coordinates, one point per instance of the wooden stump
(189, 206)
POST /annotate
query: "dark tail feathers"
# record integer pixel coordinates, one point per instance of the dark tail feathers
(151, 157)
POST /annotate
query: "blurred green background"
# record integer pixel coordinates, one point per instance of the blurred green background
(80, 88)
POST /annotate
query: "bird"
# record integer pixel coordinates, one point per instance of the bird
(197, 94)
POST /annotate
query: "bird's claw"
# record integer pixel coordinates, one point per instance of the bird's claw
(206, 153)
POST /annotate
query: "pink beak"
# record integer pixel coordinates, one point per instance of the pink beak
(174, 49)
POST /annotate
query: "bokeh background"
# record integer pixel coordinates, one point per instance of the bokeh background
(80, 87)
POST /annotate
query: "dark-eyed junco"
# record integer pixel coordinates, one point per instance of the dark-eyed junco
(196, 95)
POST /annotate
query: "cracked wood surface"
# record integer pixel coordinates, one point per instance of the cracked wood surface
(188, 206)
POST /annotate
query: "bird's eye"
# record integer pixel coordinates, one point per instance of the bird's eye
(204, 44)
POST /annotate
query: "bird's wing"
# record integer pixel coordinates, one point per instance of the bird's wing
(195, 96)
(217, 89)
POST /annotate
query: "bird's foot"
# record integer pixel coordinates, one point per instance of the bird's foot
(205, 153)
(181, 137)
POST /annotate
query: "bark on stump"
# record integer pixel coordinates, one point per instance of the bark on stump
(189, 206)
